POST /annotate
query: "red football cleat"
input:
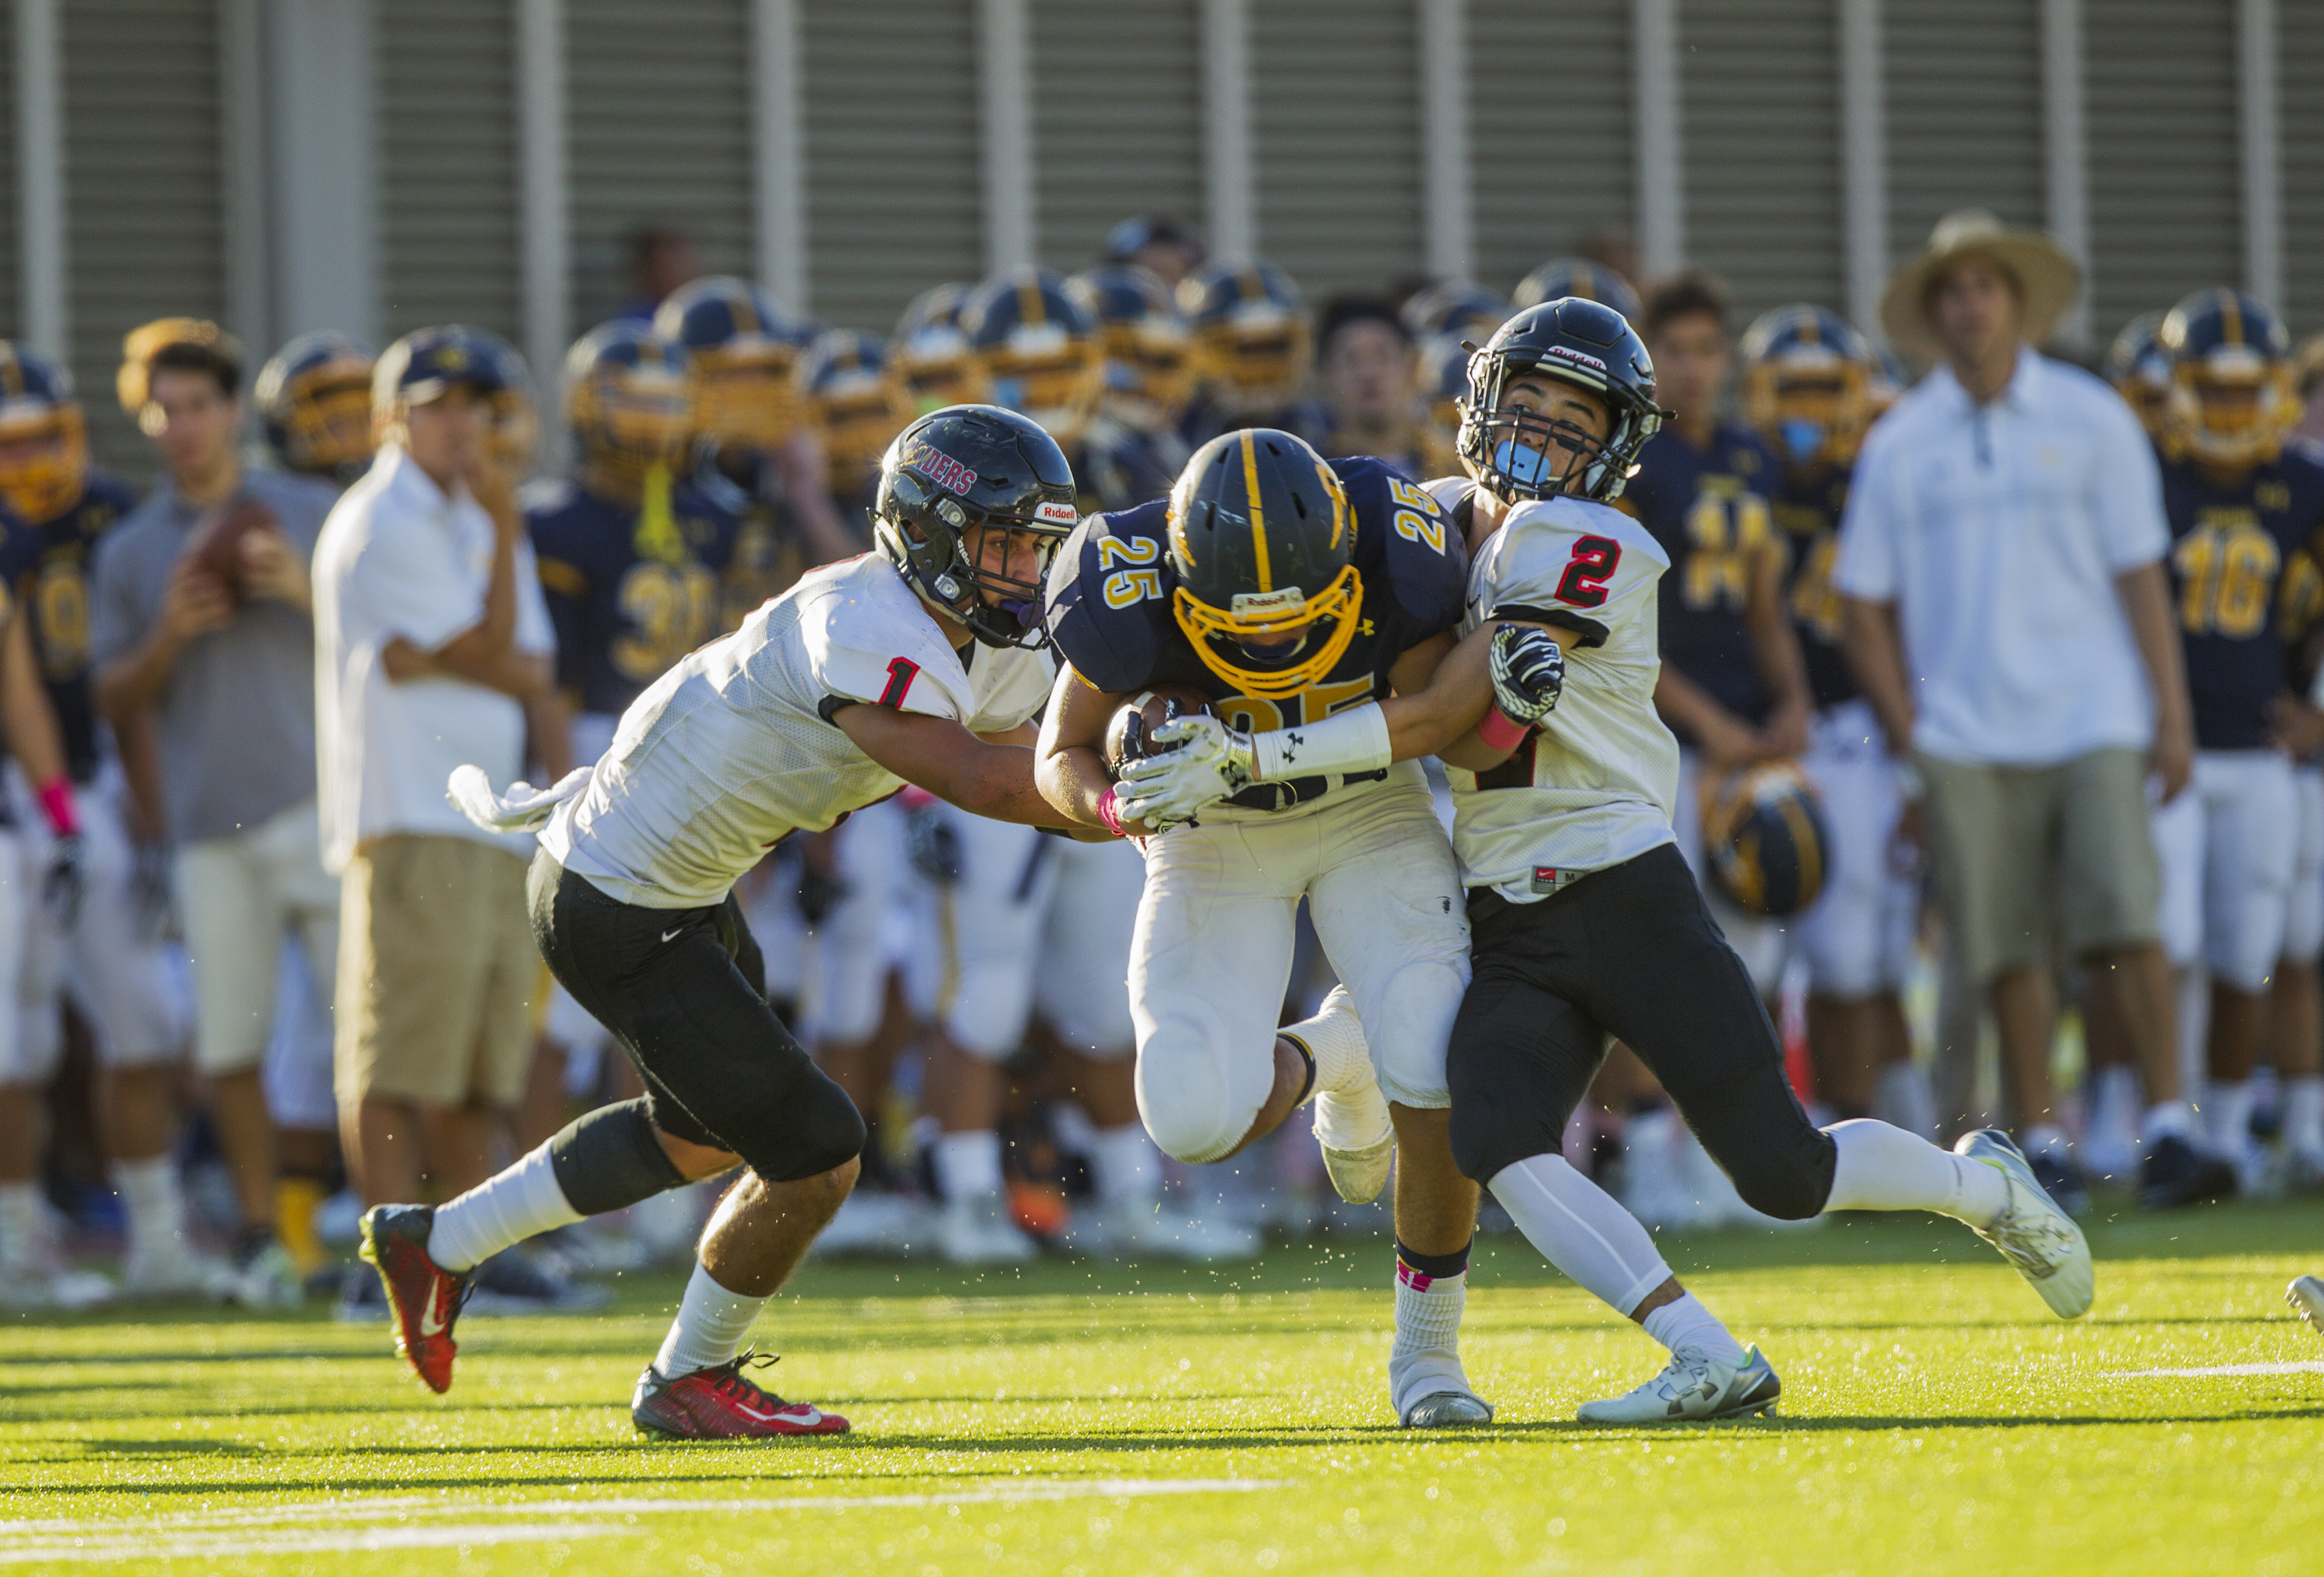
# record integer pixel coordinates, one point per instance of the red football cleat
(423, 1299)
(720, 1403)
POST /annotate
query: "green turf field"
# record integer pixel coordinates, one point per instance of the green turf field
(1072, 1420)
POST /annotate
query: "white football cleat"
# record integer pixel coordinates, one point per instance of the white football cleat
(2305, 1296)
(1693, 1388)
(978, 1231)
(1352, 1120)
(48, 1281)
(867, 1223)
(2030, 1232)
(271, 1280)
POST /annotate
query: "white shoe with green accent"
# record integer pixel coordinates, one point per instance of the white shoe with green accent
(2305, 1296)
(2030, 1232)
(1694, 1387)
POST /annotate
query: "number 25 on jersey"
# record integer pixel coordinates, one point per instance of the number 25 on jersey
(1132, 574)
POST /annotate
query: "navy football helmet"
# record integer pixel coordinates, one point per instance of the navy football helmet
(1252, 341)
(37, 403)
(2140, 371)
(742, 349)
(1807, 384)
(2232, 400)
(933, 356)
(856, 402)
(1038, 349)
(1149, 368)
(1459, 307)
(629, 399)
(1579, 278)
(314, 397)
(1763, 828)
(1582, 343)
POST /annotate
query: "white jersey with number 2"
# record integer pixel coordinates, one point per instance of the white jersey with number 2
(1595, 786)
(733, 749)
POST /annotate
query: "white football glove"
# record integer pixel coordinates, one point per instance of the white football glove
(1200, 761)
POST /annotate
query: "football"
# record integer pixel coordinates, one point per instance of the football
(1141, 715)
(217, 546)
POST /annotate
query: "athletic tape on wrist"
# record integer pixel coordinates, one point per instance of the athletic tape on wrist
(1108, 810)
(1498, 731)
(1354, 741)
(57, 805)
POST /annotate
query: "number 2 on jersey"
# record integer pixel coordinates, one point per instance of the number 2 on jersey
(1583, 583)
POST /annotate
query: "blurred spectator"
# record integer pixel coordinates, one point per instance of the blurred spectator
(202, 617)
(2007, 612)
(2308, 378)
(1367, 373)
(663, 257)
(1611, 246)
(1158, 243)
(431, 638)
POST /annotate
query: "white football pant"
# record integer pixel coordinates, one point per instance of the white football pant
(1857, 938)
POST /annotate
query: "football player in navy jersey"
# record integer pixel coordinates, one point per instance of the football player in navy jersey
(1807, 382)
(2243, 507)
(1252, 350)
(104, 952)
(1134, 449)
(1287, 589)
(314, 397)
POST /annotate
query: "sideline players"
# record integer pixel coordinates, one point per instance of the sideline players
(1586, 921)
(1287, 589)
(907, 665)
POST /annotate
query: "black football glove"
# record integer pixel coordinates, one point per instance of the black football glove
(61, 884)
(1528, 673)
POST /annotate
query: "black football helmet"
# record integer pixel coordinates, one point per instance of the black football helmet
(1584, 343)
(1263, 545)
(958, 469)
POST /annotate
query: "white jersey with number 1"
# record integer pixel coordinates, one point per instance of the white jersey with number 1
(733, 749)
(1596, 785)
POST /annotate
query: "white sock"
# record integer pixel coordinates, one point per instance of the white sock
(1686, 1323)
(1335, 1039)
(968, 1165)
(709, 1329)
(2228, 1105)
(1578, 1227)
(153, 1202)
(2167, 1120)
(1905, 1099)
(1882, 1167)
(1124, 1167)
(2114, 1101)
(2046, 1139)
(20, 1222)
(519, 1203)
(2304, 1113)
(1426, 1356)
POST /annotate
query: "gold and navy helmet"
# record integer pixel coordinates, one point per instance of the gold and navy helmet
(1150, 367)
(314, 396)
(2232, 400)
(1263, 544)
(1586, 343)
(629, 399)
(933, 356)
(1459, 307)
(856, 403)
(1252, 341)
(2140, 371)
(1764, 828)
(39, 413)
(1807, 384)
(742, 348)
(1579, 278)
(1038, 349)
(516, 422)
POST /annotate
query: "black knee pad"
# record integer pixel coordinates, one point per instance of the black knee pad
(1491, 1134)
(1779, 1162)
(610, 1158)
(811, 1128)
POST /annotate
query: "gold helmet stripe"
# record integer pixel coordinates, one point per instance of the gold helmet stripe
(1258, 515)
(2231, 312)
(1031, 311)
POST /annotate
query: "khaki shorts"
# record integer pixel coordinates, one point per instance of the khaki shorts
(2024, 854)
(436, 974)
(238, 894)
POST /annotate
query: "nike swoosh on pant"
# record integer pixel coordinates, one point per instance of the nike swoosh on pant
(666, 935)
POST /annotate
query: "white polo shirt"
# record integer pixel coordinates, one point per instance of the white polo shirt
(400, 556)
(1998, 530)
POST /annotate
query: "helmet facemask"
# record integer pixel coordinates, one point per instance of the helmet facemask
(1255, 359)
(327, 423)
(1150, 372)
(43, 482)
(630, 420)
(2231, 407)
(743, 397)
(1049, 373)
(1813, 404)
(1513, 451)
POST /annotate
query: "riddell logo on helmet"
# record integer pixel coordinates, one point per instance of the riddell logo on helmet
(945, 471)
(1567, 353)
(1282, 600)
(1050, 513)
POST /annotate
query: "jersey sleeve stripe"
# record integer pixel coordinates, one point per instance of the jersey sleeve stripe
(1592, 632)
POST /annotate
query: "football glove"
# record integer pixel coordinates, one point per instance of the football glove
(1528, 673)
(1199, 761)
(61, 885)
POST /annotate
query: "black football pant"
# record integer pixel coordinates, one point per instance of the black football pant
(1628, 952)
(684, 991)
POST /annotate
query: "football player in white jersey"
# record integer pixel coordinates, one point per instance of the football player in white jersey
(917, 663)
(1585, 922)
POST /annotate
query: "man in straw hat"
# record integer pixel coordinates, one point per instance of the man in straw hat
(2007, 611)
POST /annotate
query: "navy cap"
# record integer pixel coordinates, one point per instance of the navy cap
(425, 363)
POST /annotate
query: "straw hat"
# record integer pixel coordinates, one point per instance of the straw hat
(2046, 275)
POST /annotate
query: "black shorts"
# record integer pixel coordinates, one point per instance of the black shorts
(684, 991)
(1629, 953)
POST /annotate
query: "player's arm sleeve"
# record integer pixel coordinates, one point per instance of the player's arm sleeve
(2127, 494)
(1592, 573)
(1866, 565)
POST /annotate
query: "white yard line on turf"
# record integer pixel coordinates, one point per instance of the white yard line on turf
(178, 1533)
(2307, 1366)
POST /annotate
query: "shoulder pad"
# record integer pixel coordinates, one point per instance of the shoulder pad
(1113, 643)
(1404, 536)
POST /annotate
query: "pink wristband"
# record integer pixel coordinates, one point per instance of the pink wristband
(1109, 811)
(56, 804)
(1499, 731)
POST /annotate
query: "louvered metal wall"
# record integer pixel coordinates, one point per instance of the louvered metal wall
(2300, 91)
(1549, 129)
(447, 165)
(11, 306)
(143, 189)
(1335, 121)
(1964, 85)
(2165, 199)
(657, 109)
(1759, 127)
(895, 193)
(1117, 120)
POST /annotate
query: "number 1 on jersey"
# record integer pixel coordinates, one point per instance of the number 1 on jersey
(901, 672)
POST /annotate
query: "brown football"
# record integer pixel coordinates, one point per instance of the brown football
(1142, 713)
(215, 549)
